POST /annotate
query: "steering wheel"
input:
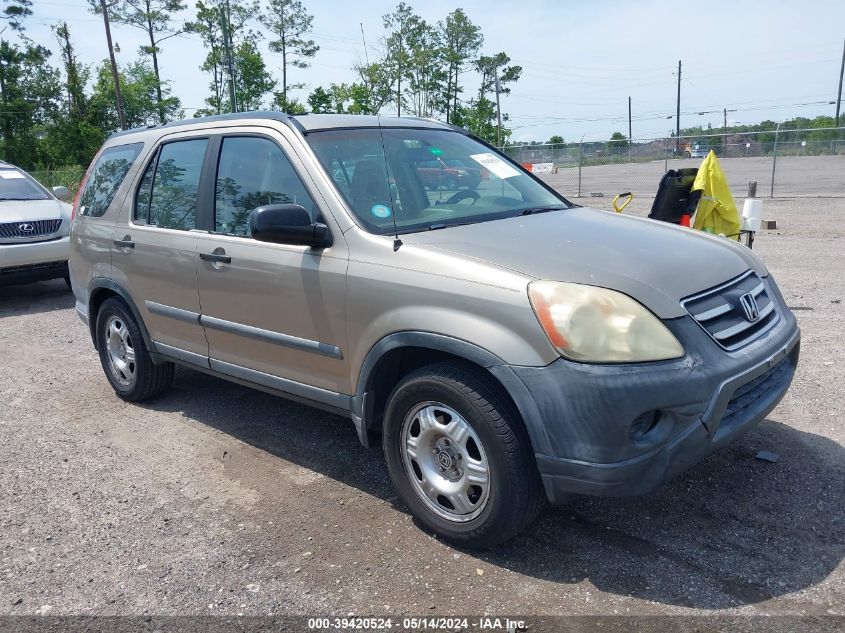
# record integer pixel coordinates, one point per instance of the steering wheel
(462, 195)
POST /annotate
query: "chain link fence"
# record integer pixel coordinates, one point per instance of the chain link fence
(69, 177)
(784, 163)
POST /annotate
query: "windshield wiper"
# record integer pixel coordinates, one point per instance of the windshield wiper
(443, 225)
(534, 210)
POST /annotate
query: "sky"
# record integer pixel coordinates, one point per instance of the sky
(761, 59)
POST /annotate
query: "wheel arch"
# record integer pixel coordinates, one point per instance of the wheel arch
(101, 289)
(395, 355)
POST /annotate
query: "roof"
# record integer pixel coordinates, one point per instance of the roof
(304, 122)
(312, 122)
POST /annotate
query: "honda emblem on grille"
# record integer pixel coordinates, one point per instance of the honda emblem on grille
(749, 307)
(26, 227)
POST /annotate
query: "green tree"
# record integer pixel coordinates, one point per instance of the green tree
(373, 90)
(15, 11)
(618, 142)
(156, 19)
(427, 73)
(479, 118)
(238, 14)
(289, 22)
(71, 137)
(556, 140)
(397, 56)
(254, 81)
(461, 42)
(491, 66)
(320, 100)
(138, 86)
(29, 95)
(291, 105)
(360, 97)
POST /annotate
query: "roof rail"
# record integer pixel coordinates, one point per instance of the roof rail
(256, 114)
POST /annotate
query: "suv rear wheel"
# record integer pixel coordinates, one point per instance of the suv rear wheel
(459, 456)
(124, 355)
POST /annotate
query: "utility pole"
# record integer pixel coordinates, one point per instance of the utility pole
(498, 108)
(678, 114)
(630, 134)
(725, 128)
(841, 72)
(227, 45)
(118, 97)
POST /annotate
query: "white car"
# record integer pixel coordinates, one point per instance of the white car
(34, 229)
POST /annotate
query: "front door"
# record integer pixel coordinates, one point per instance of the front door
(154, 252)
(272, 313)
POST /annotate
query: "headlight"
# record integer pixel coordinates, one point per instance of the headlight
(597, 325)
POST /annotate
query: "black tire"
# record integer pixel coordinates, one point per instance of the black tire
(148, 380)
(515, 495)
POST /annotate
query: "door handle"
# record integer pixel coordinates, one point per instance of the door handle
(216, 257)
(126, 242)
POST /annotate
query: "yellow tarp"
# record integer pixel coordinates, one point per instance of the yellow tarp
(716, 211)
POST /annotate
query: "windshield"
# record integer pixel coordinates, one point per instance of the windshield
(425, 179)
(16, 185)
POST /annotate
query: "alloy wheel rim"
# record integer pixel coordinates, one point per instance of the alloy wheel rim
(445, 462)
(120, 351)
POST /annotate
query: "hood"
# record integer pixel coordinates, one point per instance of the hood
(25, 210)
(656, 263)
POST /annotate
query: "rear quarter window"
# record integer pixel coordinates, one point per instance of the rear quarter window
(106, 175)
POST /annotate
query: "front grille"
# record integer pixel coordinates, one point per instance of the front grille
(11, 270)
(763, 389)
(752, 391)
(32, 228)
(720, 312)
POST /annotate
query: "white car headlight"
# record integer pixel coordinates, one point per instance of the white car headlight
(597, 325)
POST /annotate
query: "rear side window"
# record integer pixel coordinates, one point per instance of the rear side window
(167, 195)
(253, 172)
(105, 177)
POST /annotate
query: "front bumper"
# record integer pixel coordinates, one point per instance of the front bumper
(579, 416)
(34, 261)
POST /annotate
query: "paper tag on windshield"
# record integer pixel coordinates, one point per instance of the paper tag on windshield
(495, 165)
(9, 174)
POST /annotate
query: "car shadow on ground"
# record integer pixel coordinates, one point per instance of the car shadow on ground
(43, 296)
(734, 530)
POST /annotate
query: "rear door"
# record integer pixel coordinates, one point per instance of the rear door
(154, 246)
(271, 311)
(96, 215)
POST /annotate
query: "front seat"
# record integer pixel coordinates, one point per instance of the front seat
(369, 185)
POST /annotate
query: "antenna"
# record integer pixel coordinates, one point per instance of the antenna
(364, 39)
(396, 242)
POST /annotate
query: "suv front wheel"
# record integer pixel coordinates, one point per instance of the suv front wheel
(459, 456)
(124, 355)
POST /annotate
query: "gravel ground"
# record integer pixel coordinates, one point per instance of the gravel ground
(216, 499)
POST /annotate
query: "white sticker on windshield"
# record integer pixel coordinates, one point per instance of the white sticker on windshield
(495, 165)
(9, 174)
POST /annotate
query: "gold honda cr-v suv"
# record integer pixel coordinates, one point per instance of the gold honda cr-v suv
(503, 345)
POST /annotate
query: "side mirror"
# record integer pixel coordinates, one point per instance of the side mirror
(61, 193)
(288, 224)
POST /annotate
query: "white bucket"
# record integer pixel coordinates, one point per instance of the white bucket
(752, 213)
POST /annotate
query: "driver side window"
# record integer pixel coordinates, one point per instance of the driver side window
(253, 172)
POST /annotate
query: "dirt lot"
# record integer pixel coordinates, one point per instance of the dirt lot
(217, 499)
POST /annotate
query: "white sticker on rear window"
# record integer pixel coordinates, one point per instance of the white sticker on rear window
(8, 174)
(495, 165)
